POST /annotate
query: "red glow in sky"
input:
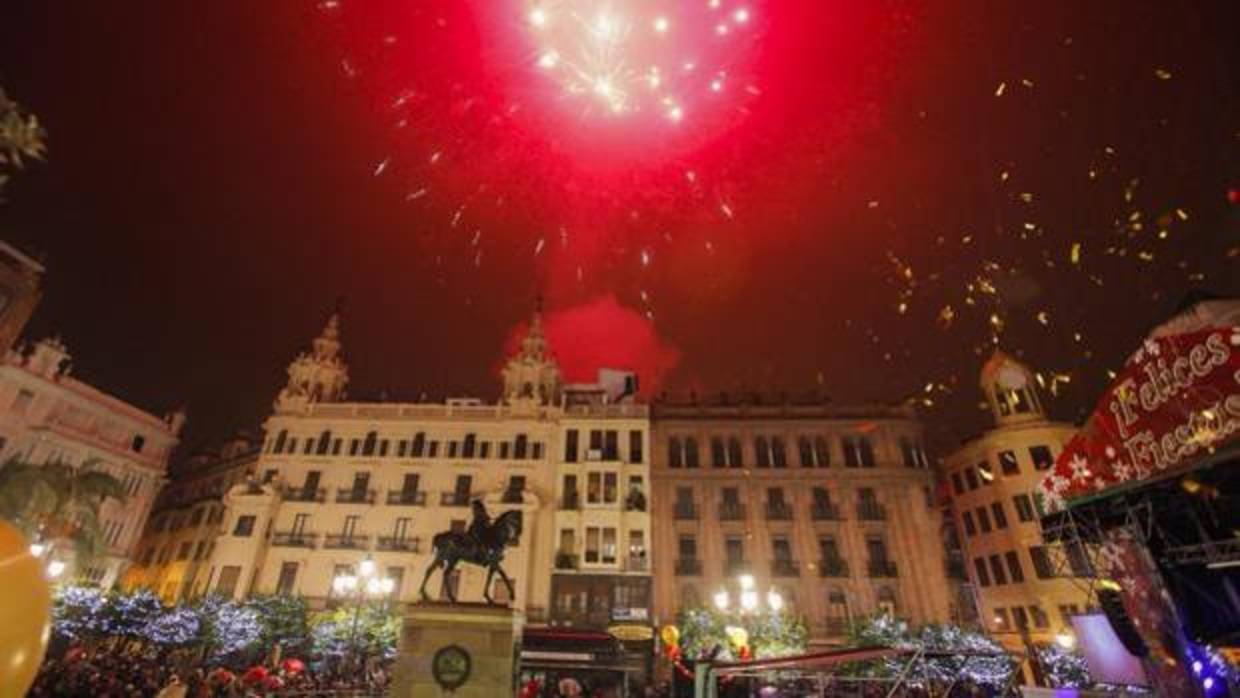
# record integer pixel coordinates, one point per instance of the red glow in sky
(601, 333)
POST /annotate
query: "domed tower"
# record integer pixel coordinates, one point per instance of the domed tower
(320, 376)
(531, 376)
(1011, 390)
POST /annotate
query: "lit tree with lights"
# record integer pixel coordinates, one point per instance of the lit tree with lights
(21, 138)
(770, 630)
(79, 614)
(885, 630)
(228, 629)
(371, 631)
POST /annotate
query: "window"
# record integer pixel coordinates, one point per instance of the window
(464, 485)
(592, 544)
(1019, 617)
(675, 456)
(957, 484)
(763, 450)
(735, 454)
(1040, 619)
(983, 519)
(418, 448)
(139, 441)
(1015, 572)
(970, 529)
(876, 549)
(781, 549)
(350, 527)
(687, 548)
(1042, 565)
(269, 475)
(684, 499)
(196, 517)
(1001, 619)
(354, 446)
(288, 576)
(718, 453)
(571, 445)
(1024, 507)
(734, 550)
(822, 452)
(610, 488)
(983, 575)
(397, 575)
(299, 524)
(611, 445)
(1066, 612)
(307, 447)
(325, 442)
(908, 452)
(336, 444)
(277, 447)
(520, 448)
(200, 549)
(1041, 457)
(996, 508)
(691, 452)
(369, 445)
(484, 450)
(432, 449)
(779, 454)
(635, 446)
(244, 527)
(887, 601)
(867, 451)
(594, 488)
(383, 447)
(985, 473)
(21, 404)
(409, 487)
(829, 549)
(226, 586)
(184, 550)
(1008, 464)
(453, 446)
(852, 458)
(609, 546)
(970, 478)
(997, 571)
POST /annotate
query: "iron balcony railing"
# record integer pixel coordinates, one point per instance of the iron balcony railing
(406, 498)
(399, 543)
(684, 511)
(351, 541)
(637, 563)
(567, 561)
(303, 494)
(731, 511)
(294, 539)
(571, 501)
(883, 568)
(833, 567)
(355, 496)
(731, 568)
(688, 567)
(778, 511)
(784, 567)
(871, 511)
(825, 512)
(454, 499)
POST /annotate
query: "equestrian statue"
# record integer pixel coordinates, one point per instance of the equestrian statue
(482, 544)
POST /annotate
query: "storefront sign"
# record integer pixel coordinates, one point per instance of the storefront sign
(631, 633)
(1176, 398)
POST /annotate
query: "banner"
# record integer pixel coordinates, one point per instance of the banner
(1176, 398)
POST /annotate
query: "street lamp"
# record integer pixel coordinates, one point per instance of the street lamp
(361, 586)
(1065, 639)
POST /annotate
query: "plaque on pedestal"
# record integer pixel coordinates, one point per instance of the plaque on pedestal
(464, 650)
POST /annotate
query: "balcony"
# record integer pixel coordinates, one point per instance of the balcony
(355, 496)
(567, 561)
(637, 563)
(825, 512)
(871, 511)
(882, 568)
(731, 568)
(688, 567)
(400, 543)
(345, 542)
(731, 511)
(636, 501)
(571, 501)
(684, 511)
(956, 570)
(513, 497)
(833, 568)
(302, 494)
(406, 499)
(293, 539)
(778, 511)
(783, 567)
(454, 499)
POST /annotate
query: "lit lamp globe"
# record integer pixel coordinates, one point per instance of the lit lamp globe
(25, 612)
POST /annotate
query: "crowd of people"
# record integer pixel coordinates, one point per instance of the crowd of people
(112, 674)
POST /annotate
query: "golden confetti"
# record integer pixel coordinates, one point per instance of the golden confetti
(1000, 89)
(1076, 253)
(1162, 73)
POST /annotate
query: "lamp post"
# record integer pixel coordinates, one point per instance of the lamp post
(361, 586)
(750, 600)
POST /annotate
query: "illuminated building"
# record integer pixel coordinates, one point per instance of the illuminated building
(173, 556)
(48, 416)
(992, 480)
(20, 291)
(831, 506)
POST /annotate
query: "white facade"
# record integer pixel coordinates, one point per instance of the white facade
(47, 416)
(338, 482)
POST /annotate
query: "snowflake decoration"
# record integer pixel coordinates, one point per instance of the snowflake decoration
(1152, 348)
(1080, 468)
(1123, 471)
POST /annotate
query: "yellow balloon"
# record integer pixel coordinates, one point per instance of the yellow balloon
(738, 636)
(670, 635)
(25, 612)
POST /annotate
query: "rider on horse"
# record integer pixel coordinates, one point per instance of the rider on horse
(480, 525)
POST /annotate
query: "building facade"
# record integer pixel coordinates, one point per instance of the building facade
(21, 287)
(48, 416)
(992, 481)
(175, 550)
(830, 506)
(339, 481)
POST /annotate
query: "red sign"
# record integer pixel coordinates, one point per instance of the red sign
(1176, 398)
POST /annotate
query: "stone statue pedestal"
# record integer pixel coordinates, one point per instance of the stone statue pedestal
(462, 650)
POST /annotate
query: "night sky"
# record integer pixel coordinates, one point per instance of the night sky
(869, 197)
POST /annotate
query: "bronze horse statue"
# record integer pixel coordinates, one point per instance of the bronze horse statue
(486, 550)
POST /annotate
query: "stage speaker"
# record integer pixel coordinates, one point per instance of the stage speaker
(1113, 607)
